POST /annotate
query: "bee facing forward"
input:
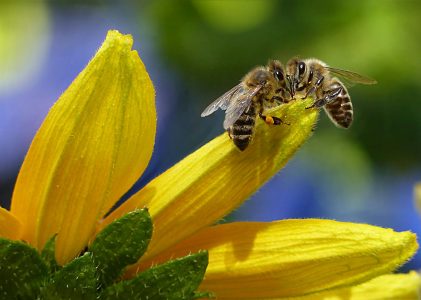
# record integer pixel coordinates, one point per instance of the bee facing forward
(259, 88)
(313, 77)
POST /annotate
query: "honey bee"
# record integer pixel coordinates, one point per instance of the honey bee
(260, 88)
(313, 77)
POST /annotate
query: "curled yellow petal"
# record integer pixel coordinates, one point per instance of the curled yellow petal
(93, 145)
(385, 287)
(10, 227)
(215, 179)
(293, 257)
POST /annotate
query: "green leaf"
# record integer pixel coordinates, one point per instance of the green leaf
(120, 244)
(76, 280)
(176, 279)
(48, 254)
(22, 271)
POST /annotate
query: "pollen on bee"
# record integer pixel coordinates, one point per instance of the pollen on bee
(269, 120)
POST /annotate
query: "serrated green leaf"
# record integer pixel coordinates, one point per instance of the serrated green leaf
(48, 254)
(22, 271)
(120, 244)
(76, 280)
(176, 279)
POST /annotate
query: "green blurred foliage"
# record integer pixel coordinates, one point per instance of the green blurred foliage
(212, 43)
(24, 38)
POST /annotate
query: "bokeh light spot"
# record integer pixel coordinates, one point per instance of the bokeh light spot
(24, 36)
(234, 16)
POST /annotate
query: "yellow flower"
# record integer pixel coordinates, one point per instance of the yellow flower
(385, 287)
(98, 139)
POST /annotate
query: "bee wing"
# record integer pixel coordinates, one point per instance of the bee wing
(241, 100)
(352, 77)
(222, 102)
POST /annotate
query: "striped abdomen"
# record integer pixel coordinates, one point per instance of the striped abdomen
(241, 131)
(340, 110)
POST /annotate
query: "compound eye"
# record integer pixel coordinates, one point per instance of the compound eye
(301, 68)
(279, 75)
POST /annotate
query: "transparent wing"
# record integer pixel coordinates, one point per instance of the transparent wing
(222, 102)
(240, 101)
(352, 77)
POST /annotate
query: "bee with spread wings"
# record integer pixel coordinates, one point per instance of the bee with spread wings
(260, 87)
(312, 77)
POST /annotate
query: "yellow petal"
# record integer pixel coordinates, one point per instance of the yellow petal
(215, 179)
(386, 287)
(293, 257)
(417, 191)
(10, 227)
(93, 145)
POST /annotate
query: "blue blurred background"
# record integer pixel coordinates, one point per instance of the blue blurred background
(197, 50)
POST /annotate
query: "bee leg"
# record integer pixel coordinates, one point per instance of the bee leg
(279, 99)
(272, 120)
(310, 91)
(313, 89)
(274, 101)
(229, 132)
(276, 98)
(328, 98)
(291, 96)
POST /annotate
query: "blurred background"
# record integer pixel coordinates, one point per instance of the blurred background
(197, 50)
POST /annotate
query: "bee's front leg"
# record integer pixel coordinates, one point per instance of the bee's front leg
(229, 132)
(278, 99)
(329, 97)
(314, 87)
(309, 92)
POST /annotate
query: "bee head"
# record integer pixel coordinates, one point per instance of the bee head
(258, 77)
(282, 83)
(277, 70)
(295, 73)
